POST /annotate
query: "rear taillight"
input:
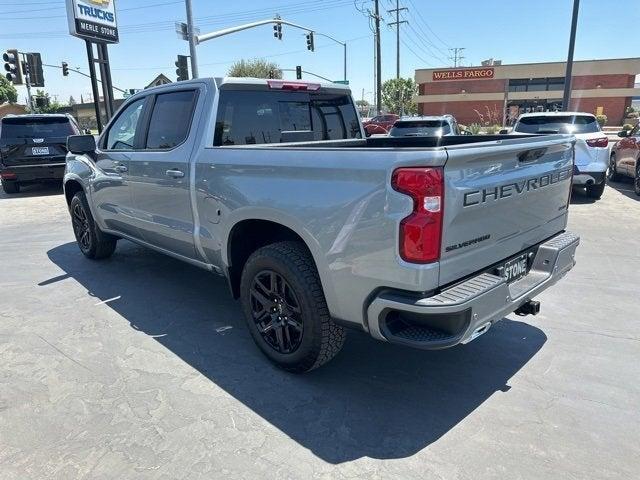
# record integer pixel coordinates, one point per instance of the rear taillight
(598, 142)
(8, 176)
(421, 232)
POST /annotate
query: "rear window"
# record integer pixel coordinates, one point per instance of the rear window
(35, 128)
(558, 124)
(422, 128)
(171, 119)
(259, 117)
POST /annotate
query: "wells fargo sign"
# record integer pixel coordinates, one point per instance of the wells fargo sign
(464, 74)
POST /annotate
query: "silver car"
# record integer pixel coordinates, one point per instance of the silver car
(431, 126)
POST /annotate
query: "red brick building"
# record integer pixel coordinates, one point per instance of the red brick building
(497, 92)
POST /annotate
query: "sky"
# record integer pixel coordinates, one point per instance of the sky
(514, 31)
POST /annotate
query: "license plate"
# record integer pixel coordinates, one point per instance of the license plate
(39, 150)
(513, 269)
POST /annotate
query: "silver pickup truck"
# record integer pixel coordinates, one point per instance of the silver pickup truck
(421, 241)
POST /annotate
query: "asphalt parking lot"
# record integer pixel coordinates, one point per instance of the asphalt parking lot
(141, 367)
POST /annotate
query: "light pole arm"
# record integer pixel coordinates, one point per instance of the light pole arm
(246, 26)
(344, 46)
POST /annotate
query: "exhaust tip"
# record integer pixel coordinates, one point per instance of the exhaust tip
(530, 307)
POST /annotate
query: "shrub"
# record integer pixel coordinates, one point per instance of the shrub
(627, 126)
(492, 129)
(475, 128)
(602, 119)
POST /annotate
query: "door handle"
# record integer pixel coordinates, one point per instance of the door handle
(121, 169)
(174, 173)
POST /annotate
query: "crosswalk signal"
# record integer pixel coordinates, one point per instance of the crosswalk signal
(12, 67)
(65, 69)
(310, 45)
(182, 70)
(277, 31)
(298, 72)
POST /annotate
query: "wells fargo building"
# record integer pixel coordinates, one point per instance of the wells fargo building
(491, 93)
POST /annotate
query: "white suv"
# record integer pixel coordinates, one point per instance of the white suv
(426, 126)
(592, 145)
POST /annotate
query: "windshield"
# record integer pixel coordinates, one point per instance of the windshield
(422, 128)
(35, 127)
(558, 124)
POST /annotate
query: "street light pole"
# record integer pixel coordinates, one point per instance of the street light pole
(566, 99)
(192, 40)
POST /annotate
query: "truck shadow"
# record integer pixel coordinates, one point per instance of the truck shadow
(34, 190)
(373, 400)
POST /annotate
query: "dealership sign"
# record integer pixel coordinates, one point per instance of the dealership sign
(93, 20)
(464, 74)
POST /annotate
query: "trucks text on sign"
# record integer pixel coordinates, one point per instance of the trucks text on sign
(464, 74)
(93, 20)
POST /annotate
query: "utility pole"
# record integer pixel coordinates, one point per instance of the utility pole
(397, 23)
(566, 99)
(456, 57)
(378, 59)
(192, 40)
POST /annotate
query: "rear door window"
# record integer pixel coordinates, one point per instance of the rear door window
(170, 119)
(558, 124)
(24, 127)
(262, 117)
(420, 128)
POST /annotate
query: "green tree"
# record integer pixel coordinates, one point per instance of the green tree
(72, 101)
(255, 67)
(362, 103)
(397, 96)
(8, 93)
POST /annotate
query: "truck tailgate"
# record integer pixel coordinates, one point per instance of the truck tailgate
(501, 201)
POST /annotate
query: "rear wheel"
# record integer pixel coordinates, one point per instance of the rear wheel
(285, 308)
(612, 172)
(93, 243)
(595, 191)
(11, 187)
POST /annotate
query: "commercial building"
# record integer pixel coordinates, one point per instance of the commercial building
(494, 93)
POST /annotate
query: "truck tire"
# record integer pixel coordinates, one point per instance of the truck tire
(595, 191)
(11, 187)
(285, 309)
(93, 243)
(636, 179)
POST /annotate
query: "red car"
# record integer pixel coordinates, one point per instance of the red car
(625, 157)
(380, 123)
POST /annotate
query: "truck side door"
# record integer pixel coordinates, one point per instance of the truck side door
(111, 190)
(160, 172)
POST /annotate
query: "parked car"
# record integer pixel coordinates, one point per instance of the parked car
(380, 124)
(625, 157)
(592, 145)
(427, 126)
(33, 148)
(413, 240)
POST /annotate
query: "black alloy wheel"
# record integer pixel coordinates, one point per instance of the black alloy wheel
(81, 227)
(276, 311)
(612, 174)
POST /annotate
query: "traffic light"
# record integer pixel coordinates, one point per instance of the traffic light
(310, 45)
(12, 67)
(277, 31)
(182, 70)
(298, 72)
(36, 76)
(65, 69)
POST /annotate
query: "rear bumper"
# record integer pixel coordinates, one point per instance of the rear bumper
(33, 173)
(588, 178)
(460, 313)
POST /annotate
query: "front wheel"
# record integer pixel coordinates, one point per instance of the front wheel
(612, 172)
(285, 308)
(93, 242)
(595, 191)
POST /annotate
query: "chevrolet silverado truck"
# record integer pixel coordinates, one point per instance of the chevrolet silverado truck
(419, 241)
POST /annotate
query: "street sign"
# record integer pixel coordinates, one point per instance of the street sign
(342, 82)
(93, 20)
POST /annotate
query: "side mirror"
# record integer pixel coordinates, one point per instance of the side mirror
(504, 131)
(623, 133)
(81, 144)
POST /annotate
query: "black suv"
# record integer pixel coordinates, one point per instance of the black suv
(33, 148)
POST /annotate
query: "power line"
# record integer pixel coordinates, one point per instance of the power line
(456, 57)
(425, 47)
(426, 24)
(397, 23)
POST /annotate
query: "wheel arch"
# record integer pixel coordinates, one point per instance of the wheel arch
(71, 187)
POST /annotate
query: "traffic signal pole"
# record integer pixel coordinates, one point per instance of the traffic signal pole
(192, 40)
(566, 97)
(27, 80)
